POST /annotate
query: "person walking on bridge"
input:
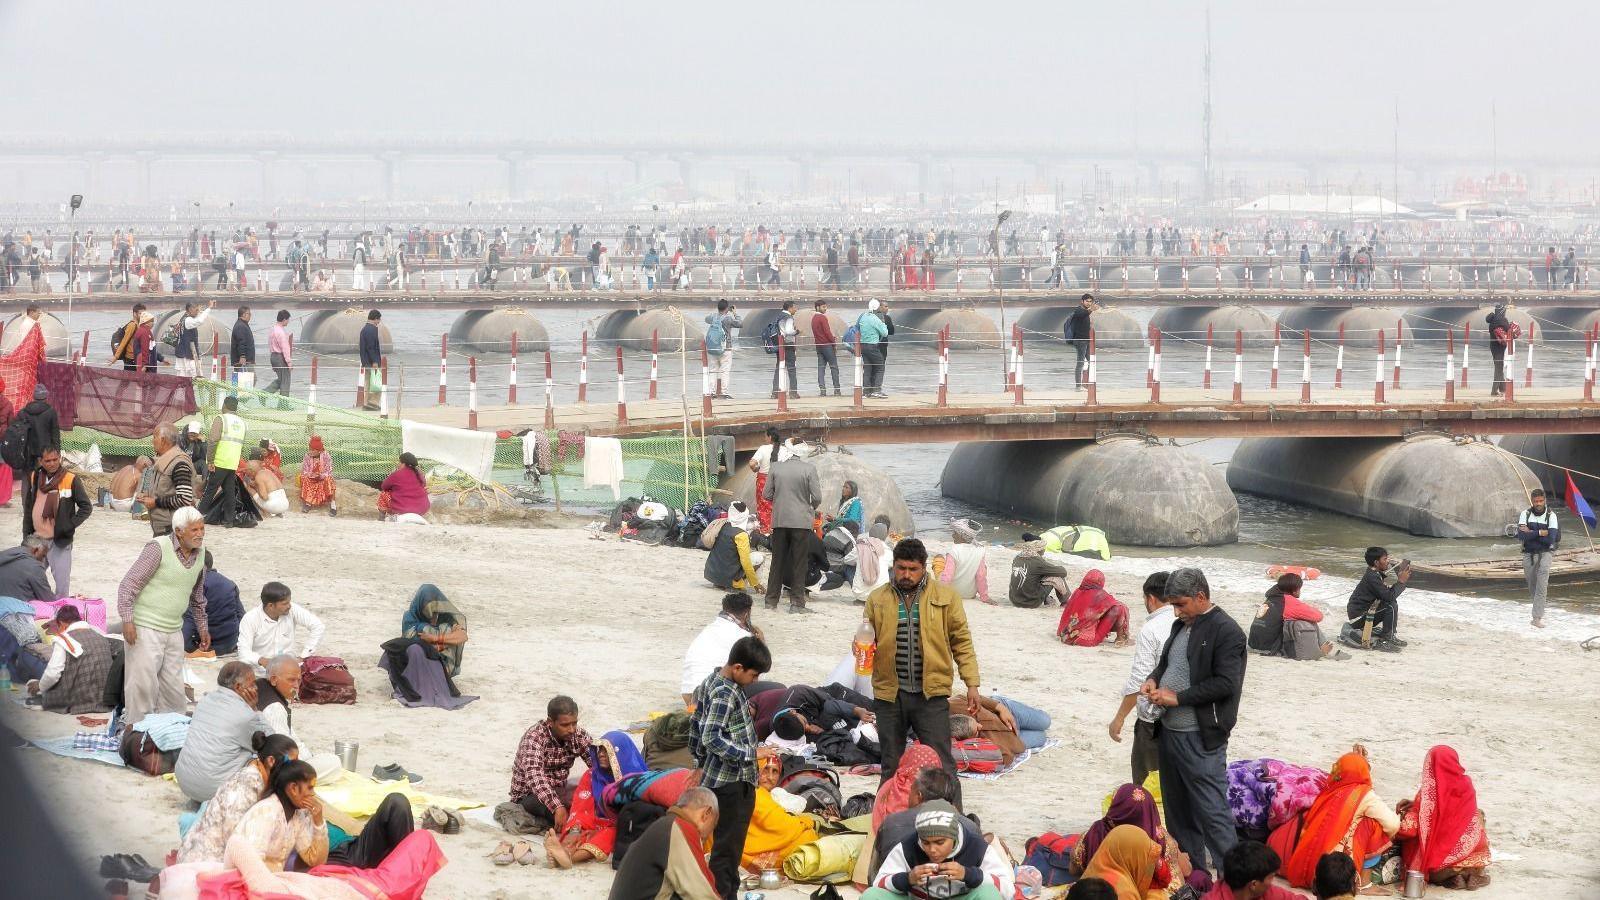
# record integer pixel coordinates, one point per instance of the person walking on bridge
(1079, 326)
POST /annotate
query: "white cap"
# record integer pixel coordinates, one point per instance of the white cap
(194, 427)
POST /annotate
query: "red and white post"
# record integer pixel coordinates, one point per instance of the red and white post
(549, 391)
(1399, 345)
(444, 365)
(1205, 381)
(857, 402)
(1155, 368)
(1450, 366)
(705, 380)
(583, 370)
(311, 390)
(1277, 344)
(1093, 397)
(622, 392)
(1527, 381)
(1510, 370)
(1305, 369)
(1377, 387)
(83, 355)
(1338, 362)
(1466, 352)
(472, 393)
(1021, 381)
(216, 360)
(944, 366)
(655, 360)
(383, 386)
(1238, 365)
(1588, 365)
(511, 376)
(783, 376)
(1150, 356)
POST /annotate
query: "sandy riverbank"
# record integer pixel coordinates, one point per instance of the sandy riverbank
(557, 611)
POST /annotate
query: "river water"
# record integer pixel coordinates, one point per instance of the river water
(1270, 531)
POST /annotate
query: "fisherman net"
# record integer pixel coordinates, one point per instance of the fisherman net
(366, 447)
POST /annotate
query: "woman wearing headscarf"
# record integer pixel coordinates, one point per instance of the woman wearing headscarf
(432, 618)
(1347, 817)
(872, 560)
(1133, 805)
(965, 565)
(850, 509)
(590, 831)
(1092, 614)
(893, 794)
(1442, 832)
(774, 832)
(317, 486)
(403, 496)
(1127, 860)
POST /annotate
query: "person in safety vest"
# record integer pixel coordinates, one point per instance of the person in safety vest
(1078, 540)
(227, 441)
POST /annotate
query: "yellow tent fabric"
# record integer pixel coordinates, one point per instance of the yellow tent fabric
(359, 796)
(828, 859)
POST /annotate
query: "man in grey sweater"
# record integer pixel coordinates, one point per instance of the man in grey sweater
(795, 492)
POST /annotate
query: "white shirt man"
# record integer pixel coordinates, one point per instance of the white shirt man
(709, 649)
(269, 630)
(1147, 649)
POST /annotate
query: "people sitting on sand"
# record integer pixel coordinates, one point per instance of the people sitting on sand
(543, 765)
(1129, 860)
(23, 573)
(209, 833)
(1335, 878)
(1442, 832)
(269, 630)
(590, 830)
(941, 850)
(224, 613)
(894, 794)
(1036, 581)
(277, 690)
(839, 544)
(731, 565)
(403, 496)
(1248, 871)
(263, 486)
(1091, 889)
(850, 508)
(775, 830)
(125, 484)
(932, 783)
(80, 666)
(1347, 817)
(433, 619)
(709, 649)
(1286, 626)
(1376, 600)
(965, 565)
(667, 859)
(271, 457)
(219, 733)
(1133, 805)
(873, 559)
(317, 485)
(193, 442)
(1092, 615)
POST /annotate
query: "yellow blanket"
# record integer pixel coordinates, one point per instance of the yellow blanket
(773, 830)
(828, 859)
(359, 796)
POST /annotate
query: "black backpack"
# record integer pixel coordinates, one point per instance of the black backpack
(14, 443)
(769, 337)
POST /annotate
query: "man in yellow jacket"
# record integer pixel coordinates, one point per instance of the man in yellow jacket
(922, 641)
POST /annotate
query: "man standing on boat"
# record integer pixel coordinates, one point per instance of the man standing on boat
(1540, 535)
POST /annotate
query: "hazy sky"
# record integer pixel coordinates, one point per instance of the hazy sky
(1286, 74)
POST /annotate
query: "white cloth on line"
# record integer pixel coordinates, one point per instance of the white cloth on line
(602, 464)
(530, 448)
(470, 451)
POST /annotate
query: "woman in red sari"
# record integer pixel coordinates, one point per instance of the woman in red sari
(317, 486)
(1092, 614)
(1442, 833)
(1347, 817)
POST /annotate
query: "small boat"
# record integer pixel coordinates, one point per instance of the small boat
(1568, 567)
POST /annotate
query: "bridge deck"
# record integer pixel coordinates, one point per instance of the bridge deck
(1183, 412)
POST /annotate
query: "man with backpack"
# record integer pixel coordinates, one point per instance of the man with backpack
(30, 432)
(1502, 332)
(874, 334)
(720, 327)
(123, 349)
(782, 331)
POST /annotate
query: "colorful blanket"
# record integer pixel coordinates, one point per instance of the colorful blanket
(1016, 763)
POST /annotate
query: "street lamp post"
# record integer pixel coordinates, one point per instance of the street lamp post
(72, 261)
(1000, 284)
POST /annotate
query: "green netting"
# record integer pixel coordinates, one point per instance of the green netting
(365, 447)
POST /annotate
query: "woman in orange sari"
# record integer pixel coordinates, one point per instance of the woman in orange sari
(1347, 817)
(1442, 833)
(316, 479)
(1127, 861)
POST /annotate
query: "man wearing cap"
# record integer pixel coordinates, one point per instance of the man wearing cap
(1197, 684)
(1035, 580)
(44, 429)
(940, 851)
(965, 565)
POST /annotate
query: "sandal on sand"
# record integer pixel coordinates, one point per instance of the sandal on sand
(522, 852)
(1375, 890)
(435, 819)
(501, 855)
(559, 858)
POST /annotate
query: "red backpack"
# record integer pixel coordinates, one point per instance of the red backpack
(1051, 854)
(978, 755)
(326, 679)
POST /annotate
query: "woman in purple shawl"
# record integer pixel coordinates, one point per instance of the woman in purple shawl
(1133, 805)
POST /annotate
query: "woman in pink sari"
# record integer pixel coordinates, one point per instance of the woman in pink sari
(1092, 614)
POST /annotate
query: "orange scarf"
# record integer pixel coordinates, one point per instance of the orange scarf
(1325, 824)
(1127, 861)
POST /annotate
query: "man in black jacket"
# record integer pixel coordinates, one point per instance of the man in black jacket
(1375, 598)
(54, 504)
(1197, 685)
(242, 350)
(371, 347)
(1077, 329)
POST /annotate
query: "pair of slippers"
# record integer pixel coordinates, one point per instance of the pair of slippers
(127, 866)
(506, 853)
(444, 821)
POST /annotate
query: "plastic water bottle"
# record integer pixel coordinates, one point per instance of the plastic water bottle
(865, 647)
(5, 678)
